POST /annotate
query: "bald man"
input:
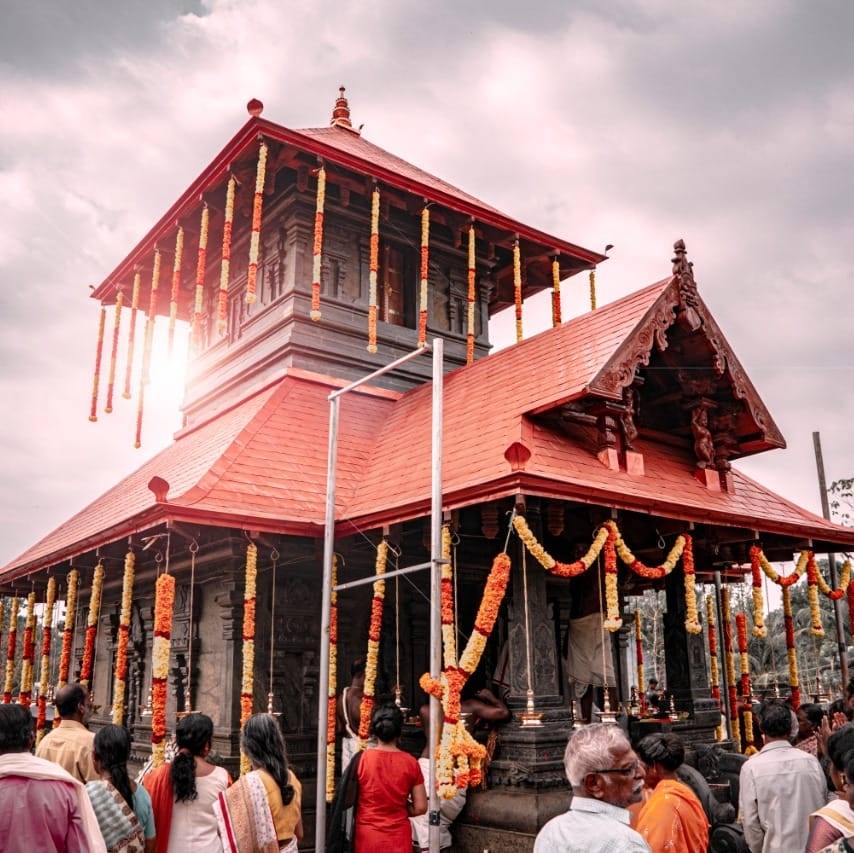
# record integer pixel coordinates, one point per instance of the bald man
(70, 744)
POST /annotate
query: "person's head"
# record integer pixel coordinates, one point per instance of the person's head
(840, 745)
(849, 694)
(72, 703)
(16, 729)
(110, 753)
(653, 684)
(357, 673)
(849, 780)
(775, 719)
(193, 738)
(387, 723)
(264, 746)
(600, 764)
(809, 719)
(661, 755)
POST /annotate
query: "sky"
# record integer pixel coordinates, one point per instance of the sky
(633, 122)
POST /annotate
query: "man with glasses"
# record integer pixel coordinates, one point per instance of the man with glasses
(606, 777)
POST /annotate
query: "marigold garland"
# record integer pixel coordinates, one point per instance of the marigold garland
(746, 691)
(96, 379)
(757, 556)
(791, 654)
(201, 265)
(692, 620)
(373, 270)
(424, 276)
(844, 582)
(714, 673)
(111, 376)
(613, 621)
(92, 626)
(639, 659)
(121, 666)
(729, 666)
(134, 309)
(68, 628)
(164, 602)
(44, 672)
(247, 681)
(517, 288)
(140, 411)
(374, 632)
(257, 217)
(151, 319)
(332, 693)
(592, 280)
(449, 629)
(225, 265)
(563, 570)
(26, 694)
(759, 629)
(471, 295)
(317, 248)
(11, 646)
(639, 568)
(176, 285)
(816, 628)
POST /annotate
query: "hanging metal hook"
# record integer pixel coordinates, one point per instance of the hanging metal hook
(274, 555)
(512, 514)
(194, 547)
(662, 542)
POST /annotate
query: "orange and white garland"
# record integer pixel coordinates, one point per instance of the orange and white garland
(692, 621)
(257, 216)
(11, 646)
(317, 247)
(225, 266)
(613, 620)
(791, 654)
(366, 709)
(44, 672)
(714, 672)
(92, 626)
(201, 265)
(164, 602)
(449, 628)
(176, 285)
(247, 680)
(639, 568)
(134, 309)
(68, 629)
(471, 295)
(121, 671)
(517, 288)
(759, 629)
(844, 583)
(29, 650)
(96, 379)
(111, 376)
(729, 666)
(424, 276)
(746, 692)
(556, 318)
(373, 270)
(816, 628)
(562, 570)
(332, 692)
(639, 659)
(592, 279)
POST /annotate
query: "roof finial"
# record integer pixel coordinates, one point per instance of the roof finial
(341, 113)
(255, 108)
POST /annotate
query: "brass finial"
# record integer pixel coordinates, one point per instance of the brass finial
(341, 112)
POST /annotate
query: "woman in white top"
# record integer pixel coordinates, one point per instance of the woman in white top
(183, 793)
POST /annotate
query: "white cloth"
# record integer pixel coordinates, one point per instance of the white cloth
(349, 747)
(590, 826)
(24, 764)
(194, 826)
(780, 787)
(449, 810)
(589, 651)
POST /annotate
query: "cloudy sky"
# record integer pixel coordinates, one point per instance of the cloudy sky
(632, 122)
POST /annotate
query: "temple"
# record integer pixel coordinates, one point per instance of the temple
(632, 413)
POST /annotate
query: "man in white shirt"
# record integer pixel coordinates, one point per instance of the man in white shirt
(606, 777)
(780, 787)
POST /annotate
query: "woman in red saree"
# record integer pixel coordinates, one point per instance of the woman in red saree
(391, 789)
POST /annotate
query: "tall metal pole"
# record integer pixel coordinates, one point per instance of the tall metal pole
(831, 559)
(435, 586)
(323, 687)
(722, 657)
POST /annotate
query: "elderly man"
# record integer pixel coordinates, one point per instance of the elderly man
(42, 808)
(606, 777)
(780, 786)
(70, 745)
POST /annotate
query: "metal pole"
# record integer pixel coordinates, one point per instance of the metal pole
(831, 559)
(722, 678)
(435, 587)
(323, 687)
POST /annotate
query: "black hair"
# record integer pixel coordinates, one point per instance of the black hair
(192, 734)
(840, 744)
(664, 749)
(69, 699)
(357, 667)
(839, 706)
(849, 767)
(112, 749)
(775, 718)
(263, 743)
(653, 681)
(849, 688)
(387, 723)
(16, 728)
(813, 713)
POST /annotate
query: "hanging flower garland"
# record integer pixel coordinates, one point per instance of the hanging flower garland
(759, 629)
(44, 672)
(613, 621)
(517, 288)
(332, 693)
(257, 217)
(639, 659)
(758, 557)
(791, 654)
(729, 663)
(816, 628)
(247, 681)
(317, 248)
(692, 620)
(11, 646)
(562, 570)
(593, 290)
(373, 270)
(176, 285)
(111, 376)
(471, 296)
(92, 626)
(844, 582)
(449, 632)
(164, 602)
(29, 651)
(121, 671)
(96, 379)
(639, 568)
(374, 631)
(556, 315)
(714, 672)
(225, 266)
(424, 276)
(746, 692)
(152, 318)
(201, 265)
(134, 309)
(68, 628)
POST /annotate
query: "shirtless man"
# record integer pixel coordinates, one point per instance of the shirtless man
(349, 706)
